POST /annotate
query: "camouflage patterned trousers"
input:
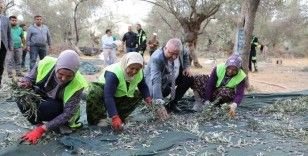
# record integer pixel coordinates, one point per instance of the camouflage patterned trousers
(96, 109)
(225, 94)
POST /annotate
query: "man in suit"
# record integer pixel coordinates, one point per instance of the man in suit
(6, 39)
(168, 73)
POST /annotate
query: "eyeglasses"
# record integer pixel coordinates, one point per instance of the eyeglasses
(173, 53)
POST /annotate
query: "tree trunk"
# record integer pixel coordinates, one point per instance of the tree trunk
(75, 21)
(75, 48)
(75, 24)
(192, 52)
(248, 14)
(191, 42)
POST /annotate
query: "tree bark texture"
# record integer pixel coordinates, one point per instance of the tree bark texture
(247, 20)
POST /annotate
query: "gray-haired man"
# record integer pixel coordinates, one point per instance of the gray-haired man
(169, 67)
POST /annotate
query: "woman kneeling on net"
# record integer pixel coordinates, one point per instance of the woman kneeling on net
(226, 84)
(115, 92)
(59, 84)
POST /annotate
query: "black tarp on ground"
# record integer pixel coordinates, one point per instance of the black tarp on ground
(251, 133)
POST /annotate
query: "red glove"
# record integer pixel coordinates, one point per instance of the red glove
(148, 101)
(34, 135)
(116, 123)
(24, 84)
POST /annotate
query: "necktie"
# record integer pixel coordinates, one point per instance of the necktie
(172, 93)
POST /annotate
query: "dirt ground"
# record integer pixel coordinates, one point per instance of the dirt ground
(271, 77)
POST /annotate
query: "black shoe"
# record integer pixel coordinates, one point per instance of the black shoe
(175, 109)
(172, 107)
(20, 75)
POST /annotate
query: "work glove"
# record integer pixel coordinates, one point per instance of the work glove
(34, 135)
(232, 108)
(24, 84)
(116, 123)
(148, 101)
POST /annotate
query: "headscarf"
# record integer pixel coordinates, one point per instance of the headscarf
(234, 60)
(68, 59)
(128, 59)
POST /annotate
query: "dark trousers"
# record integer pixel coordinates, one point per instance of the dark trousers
(252, 61)
(183, 83)
(35, 51)
(47, 110)
(2, 60)
(23, 58)
(131, 49)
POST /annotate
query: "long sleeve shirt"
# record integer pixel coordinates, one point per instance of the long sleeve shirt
(69, 108)
(130, 39)
(107, 42)
(211, 86)
(110, 88)
(38, 36)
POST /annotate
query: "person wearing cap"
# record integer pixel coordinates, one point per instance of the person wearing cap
(115, 93)
(253, 53)
(60, 85)
(153, 44)
(141, 39)
(226, 84)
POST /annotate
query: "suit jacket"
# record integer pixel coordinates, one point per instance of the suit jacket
(157, 73)
(6, 37)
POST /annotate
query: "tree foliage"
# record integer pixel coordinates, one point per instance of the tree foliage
(59, 16)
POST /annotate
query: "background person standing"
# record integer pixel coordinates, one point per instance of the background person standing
(130, 40)
(153, 44)
(141, 40)
(14, 57)
(38, 37)
(108, 45)
(24, 47)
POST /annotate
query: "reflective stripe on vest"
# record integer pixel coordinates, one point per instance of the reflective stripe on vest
(141, 37)
(122, 86)
(44, 67)
(235, 80)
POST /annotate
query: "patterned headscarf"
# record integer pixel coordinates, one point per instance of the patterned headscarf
(234, 60)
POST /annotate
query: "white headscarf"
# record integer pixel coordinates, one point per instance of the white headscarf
(128, 59)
